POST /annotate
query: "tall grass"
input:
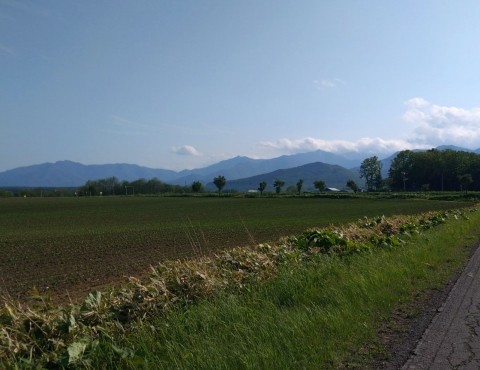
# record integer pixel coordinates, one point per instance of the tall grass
(319, 315)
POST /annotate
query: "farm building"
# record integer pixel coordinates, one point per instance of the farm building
(331, 189)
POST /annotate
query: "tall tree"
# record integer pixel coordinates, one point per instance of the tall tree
(371, 170)
(219, 182)
(196, 186)
(319, 185)
(400, 168)
(299, 186)
(278, 184)
(465, 181)
(352, 185)
(261, 187)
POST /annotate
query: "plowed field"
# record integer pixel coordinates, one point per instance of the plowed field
(70, 246)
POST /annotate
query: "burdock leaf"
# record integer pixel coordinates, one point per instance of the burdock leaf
(75, 351)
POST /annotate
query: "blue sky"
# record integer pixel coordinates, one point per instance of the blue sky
(186, 83)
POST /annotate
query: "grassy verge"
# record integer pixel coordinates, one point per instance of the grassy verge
(316, 300)
(325, 313)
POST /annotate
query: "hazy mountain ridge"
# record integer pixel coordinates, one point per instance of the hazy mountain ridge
(71, 174)
(242, 167)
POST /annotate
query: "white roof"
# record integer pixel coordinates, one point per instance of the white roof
(333, 189)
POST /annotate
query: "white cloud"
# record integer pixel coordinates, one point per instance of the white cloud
(187, 150)
(366, 144)
(416, 103)
(436, 124)
(433, 125)
(328, 83)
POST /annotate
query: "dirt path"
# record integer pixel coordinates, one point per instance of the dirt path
(452, 340)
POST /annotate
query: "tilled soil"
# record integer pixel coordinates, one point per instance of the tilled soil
(66, 271)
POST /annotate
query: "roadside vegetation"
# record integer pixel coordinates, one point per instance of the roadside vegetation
(314, 300)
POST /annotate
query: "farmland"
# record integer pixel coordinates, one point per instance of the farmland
(69, 246)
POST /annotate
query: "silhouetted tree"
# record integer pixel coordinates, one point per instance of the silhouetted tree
(299, 186)
(261, 187)
(352, 185)
(196, 186)
(278, 184)
(319, 184)
(465, 181)
(219, 182)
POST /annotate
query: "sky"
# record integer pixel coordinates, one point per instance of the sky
(181, 84)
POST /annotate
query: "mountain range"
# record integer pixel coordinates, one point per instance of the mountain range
(243, 172)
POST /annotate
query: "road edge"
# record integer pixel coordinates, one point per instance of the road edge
(403, 332)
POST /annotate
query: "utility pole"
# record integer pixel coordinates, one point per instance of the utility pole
(404, 180)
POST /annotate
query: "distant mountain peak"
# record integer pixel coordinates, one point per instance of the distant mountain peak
(453, 147)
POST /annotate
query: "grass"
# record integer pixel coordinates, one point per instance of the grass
(324, 314)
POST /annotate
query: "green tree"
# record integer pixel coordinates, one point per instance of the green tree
(139, 186)
(352, 185)
(371, 170)
(400, 167)
(319, 184)
(465, 181)
(196, 186)
(261, 187)
(91, 188)
(278, 184)
(219, 182)
(438, 168)
(154, 186)
(299, 186)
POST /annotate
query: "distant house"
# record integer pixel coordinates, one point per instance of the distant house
(331, 189)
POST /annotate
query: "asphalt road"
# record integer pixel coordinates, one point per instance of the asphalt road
(452, 341)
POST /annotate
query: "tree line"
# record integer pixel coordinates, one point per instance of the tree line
(318, 184)
(113, 186)
(437, 170)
